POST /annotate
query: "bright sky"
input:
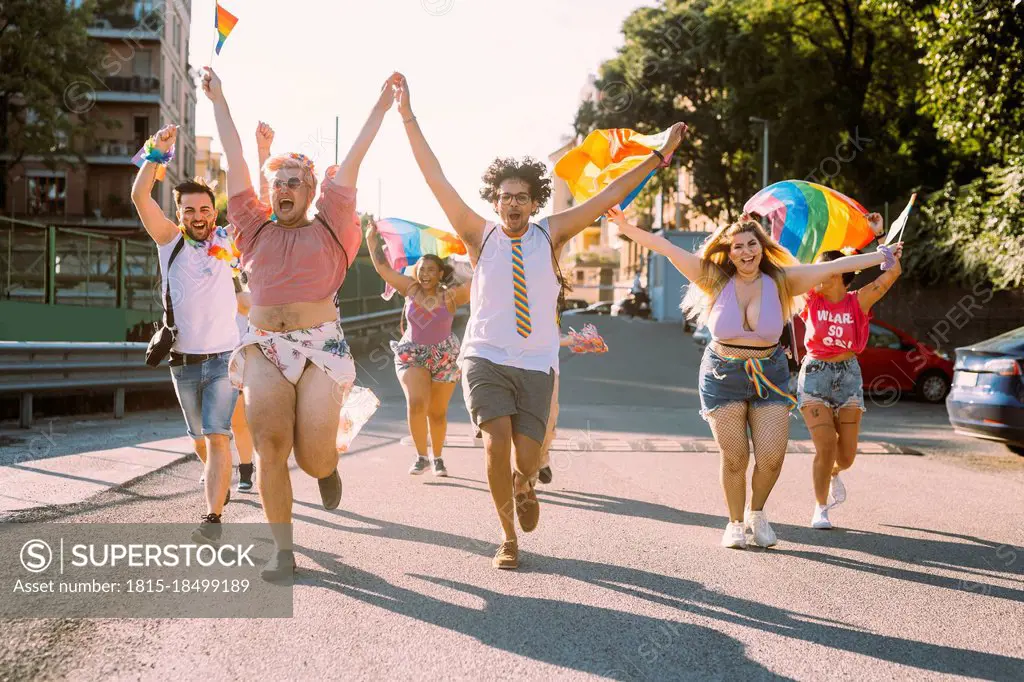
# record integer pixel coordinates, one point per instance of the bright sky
(487, 78)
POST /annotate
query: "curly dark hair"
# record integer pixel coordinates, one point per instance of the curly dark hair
(529, 170)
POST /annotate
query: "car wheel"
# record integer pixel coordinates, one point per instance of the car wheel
(932, 387)
(1016, 449)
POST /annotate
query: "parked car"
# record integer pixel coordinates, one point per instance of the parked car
(634, 305)
(575, 304)
(987, 400)
(892, 360)
(602, 308)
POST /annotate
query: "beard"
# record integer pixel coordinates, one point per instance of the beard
(199, 231)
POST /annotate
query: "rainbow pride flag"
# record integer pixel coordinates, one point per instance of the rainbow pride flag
(224, 22)
(807, 218)
(604, 156)
(406, 242)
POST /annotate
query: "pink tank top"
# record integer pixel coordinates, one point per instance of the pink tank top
(834, 328)
(726, 319)
(427, 327)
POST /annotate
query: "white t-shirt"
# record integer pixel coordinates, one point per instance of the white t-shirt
(203, 297)
(491, 332)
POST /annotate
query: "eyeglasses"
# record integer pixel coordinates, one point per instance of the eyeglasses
(522, 198)
(291, 183)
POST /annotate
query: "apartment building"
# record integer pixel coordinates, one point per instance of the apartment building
(144, 81)
(209, 165)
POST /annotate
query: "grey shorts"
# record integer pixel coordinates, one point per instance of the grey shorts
(833, 384)
(493, 391)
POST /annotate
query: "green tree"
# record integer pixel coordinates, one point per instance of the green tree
(48, 63)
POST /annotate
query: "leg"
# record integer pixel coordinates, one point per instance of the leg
(217, 403)
(199, 445)
(729, 428)
(823, 432)
(549, 436)
(498, 446)
(270, 401)
(527, 460)
(849, 431)
(437, 414)
(318, 401)
(769, 430)
(240, 430)
(416, 384)
(218, 471)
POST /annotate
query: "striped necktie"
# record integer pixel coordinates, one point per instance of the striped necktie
(519, 289)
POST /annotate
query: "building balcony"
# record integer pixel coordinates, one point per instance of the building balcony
(136, 21)
(136, 89)
(112, 152)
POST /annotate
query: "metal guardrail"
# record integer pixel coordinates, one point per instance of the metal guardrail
(27, 368)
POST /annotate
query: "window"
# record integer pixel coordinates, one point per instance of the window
(47, 192)
(142, 64)
(177, 33)
(880, 337)
(141, 131)
(143, 8)
(175, 89)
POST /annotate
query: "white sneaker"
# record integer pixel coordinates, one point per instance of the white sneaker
(820, 518)
(757, 522)
(836, 492)
(735, 537)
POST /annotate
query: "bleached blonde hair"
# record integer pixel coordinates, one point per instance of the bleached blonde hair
(293, 161)
(716, 269)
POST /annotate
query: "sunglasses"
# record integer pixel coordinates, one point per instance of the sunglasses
(291, 183)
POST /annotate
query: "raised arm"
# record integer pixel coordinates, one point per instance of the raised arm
(803, 278)
(264, 138)
(375, 244)
(238, 172)
(460, 294)
(162, 230)
(567, 224)
(467, 223)
(348, 173)
(871, 294)
(685, 262)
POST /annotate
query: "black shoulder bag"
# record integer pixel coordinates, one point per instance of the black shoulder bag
(163, 340)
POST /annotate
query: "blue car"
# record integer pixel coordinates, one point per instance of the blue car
(987, 400)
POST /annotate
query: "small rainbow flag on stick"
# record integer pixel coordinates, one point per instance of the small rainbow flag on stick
(604, 156)
(161, 171)
(225, 21)
(407, 242)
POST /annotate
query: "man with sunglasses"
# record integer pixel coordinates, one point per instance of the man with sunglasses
(510, 350)
(196, 263)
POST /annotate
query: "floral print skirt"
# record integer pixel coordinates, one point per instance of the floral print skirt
(323, 345)
(440, 359)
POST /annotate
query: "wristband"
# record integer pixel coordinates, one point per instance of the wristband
(661, 156)
(890, 259)
(151, 153)
(409, 120)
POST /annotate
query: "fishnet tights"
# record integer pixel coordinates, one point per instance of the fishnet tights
(769, 429)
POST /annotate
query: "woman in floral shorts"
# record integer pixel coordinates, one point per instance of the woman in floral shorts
(426, 357)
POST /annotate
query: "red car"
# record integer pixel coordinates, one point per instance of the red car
(895, 360)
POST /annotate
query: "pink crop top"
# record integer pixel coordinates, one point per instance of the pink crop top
(834, 328)
(726, 319)
(427, 327)
(296, 264)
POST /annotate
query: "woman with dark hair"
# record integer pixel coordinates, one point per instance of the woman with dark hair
(745, 285)
(830, 387)
(426, 357)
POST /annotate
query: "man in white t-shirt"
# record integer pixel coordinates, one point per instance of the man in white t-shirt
(202, 293)
(510, 351)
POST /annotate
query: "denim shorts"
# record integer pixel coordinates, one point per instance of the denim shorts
(833, 384)
(723, 380)
(206, 396)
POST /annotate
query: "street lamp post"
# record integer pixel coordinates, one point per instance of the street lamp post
(764, 159)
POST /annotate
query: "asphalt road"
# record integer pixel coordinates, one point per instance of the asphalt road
(623, 579)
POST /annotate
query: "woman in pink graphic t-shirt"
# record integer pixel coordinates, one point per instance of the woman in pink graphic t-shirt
(830, 387)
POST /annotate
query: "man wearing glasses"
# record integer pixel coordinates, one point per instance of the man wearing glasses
(510, 350)
(202, 293)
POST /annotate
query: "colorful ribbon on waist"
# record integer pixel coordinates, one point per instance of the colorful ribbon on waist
(762, 384)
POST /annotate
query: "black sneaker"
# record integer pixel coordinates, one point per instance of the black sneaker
(544, 475)
(330, 490)
(245, 478)
(209, 530)
(280, 567)
(439, 469)
(419, 466)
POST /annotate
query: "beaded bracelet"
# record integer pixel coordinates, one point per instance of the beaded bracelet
(151, 153)
(890, 259)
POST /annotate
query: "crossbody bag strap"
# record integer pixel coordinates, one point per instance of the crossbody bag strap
(168, 306)
(558, 270)
(484, 244)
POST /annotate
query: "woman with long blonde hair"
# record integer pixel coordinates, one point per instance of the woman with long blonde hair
(744, 287)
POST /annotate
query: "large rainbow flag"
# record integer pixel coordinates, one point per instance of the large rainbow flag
(604, 156)
(224, 22)
(407, 242)
(807, 218)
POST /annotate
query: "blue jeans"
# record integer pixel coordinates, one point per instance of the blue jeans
(723, 380)
(206, 396)
(833, 384)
